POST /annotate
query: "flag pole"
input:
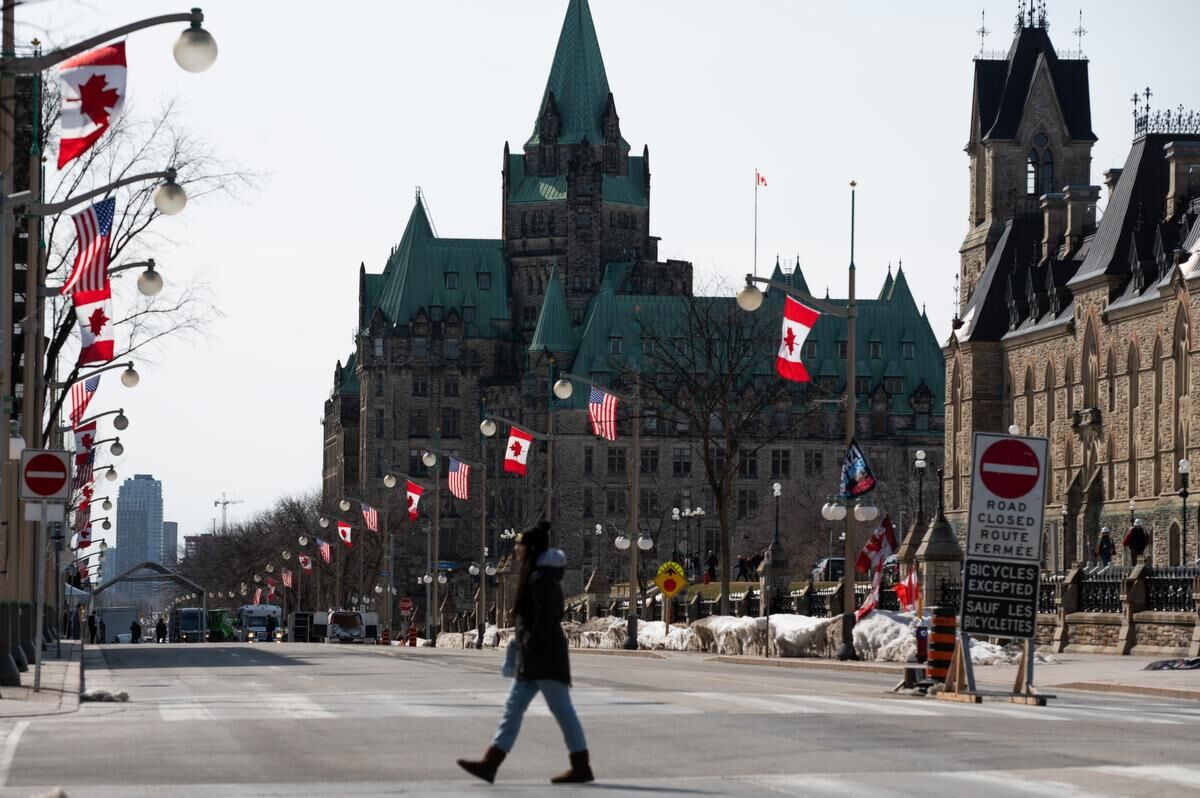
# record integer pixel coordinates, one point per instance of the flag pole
(755, 222)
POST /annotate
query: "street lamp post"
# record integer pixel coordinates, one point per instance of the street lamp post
(563, 388)
(1185, 469)
(675, 533)
(750, 298)
(919, 465)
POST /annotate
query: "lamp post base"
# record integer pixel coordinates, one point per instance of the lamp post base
(846, 649)
(479, 638)
(631, 634)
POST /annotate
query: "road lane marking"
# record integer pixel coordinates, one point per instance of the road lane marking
(188, 709)
(298, 706)
(734, 702)
(10, 750)
(1188, 777)
(880, 707)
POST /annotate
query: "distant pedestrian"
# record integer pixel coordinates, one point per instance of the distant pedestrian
(91, 627)
(160, 631)
(1135, 540)
(743, 569)
(270, 627)
(710, 564)
(135, 632)
(103, 632)
(541, 661)
(1105, 548)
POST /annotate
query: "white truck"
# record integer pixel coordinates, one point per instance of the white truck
(351, 626)
(251, 626)
(117, 621)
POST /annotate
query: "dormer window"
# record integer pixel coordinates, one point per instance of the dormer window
(452, 281)
(876, 349)
(614, 346)
(810, 348)
(484, 280)
(907, 350)
(468, 314)
(436, 312)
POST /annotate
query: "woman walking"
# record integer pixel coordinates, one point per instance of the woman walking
(541, 659)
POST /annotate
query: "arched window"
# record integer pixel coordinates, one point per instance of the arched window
(1131, 367)
(955, 478)
(1049, 386)
(1031, 172)
(1029, 400)
(1180, 405)
(1091, 368)
(1069, 381)
(1047, 172)
(1155, 446)
(1112, 381)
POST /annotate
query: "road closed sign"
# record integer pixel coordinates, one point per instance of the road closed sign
(44, 475)
(1007, 498)
(1002, 570)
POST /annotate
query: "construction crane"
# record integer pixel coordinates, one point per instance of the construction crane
(224, 503)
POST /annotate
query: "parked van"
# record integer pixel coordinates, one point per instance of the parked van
(251, 624)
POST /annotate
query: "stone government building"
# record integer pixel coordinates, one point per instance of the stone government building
(1071, 326)
(452, 326)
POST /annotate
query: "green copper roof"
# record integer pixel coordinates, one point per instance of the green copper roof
(372, 287)
(577, 79)
(553, 329)
(417, 277)
(886, 291)
(346, 377)
(615, 189)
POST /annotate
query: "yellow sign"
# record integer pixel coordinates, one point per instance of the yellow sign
(670, 579)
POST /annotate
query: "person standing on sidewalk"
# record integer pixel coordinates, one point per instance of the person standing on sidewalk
(92, 628)
(542, 664)
(103, 632)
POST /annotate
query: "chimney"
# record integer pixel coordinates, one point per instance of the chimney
(1054, 219)
(1183, 171)
(1081, 213)
(1110, 180)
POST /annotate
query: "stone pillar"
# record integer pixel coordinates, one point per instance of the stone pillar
(939, 556)
(1194, 648)
(775, 577)
(1069, 600)
(907, 553)
(693, 609)
(1133, 600)
(596, 593)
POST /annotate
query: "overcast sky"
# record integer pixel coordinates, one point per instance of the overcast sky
(344, 108)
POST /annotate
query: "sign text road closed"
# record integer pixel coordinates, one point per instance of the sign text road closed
(1007, 498)
(1000, 598)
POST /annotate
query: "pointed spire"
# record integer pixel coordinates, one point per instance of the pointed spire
(778, 274)
(798, 280)
(577, 79)
(888, 282)
(554, 331)
(900, 290)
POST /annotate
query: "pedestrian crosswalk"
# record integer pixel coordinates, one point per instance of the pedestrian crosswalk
(172, 706)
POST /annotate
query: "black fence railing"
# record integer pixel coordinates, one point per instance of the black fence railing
(1170, 589)
(949, 594)
(1100, 592)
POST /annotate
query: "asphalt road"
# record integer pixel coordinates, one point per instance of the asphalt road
(308, 720)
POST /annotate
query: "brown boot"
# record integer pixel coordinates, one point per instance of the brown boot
(580, 771)
(485, 768)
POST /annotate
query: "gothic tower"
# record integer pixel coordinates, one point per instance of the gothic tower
(1031, 135)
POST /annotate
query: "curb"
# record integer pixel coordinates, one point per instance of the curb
(1136, 689)
(810, 664)
(619, 652)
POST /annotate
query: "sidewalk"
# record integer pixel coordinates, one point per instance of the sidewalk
(62, 679)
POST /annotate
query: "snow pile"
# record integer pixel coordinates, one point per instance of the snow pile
(724, 634)
(607, 632)
(467, 639)
(653, 635)
(885, 636)
(801, 636)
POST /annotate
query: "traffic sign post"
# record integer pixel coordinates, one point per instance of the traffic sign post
(1002, 567)
(44, 475)
(670, 580)
(406, 607)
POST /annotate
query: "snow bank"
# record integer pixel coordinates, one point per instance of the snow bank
(725, 634)
(886, 636)
(607, 632)
(653, 635)
(801, 636)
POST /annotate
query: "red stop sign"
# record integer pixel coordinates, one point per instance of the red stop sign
(45, 475)
(1009, 468)
(669, 585)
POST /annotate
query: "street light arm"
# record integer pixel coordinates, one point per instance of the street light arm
(444, 453)
(126, 365)
(48, 209)
(31, 65)
(539, 435)
(605, 388)
(95, 418)
(807, 298)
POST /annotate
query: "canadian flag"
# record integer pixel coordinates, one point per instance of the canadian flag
(908, 592)
(344, 534)
(305, 563)
(517, 453)
(798, 320)
(759, 179)
(84, 538)
(92, 85)
(414, 498)
(85, 436)
(93, 311)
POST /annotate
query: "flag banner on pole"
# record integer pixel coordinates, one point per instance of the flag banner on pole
(857, 479)
(759, 179)
(287, 577)
(93, 226)
(258, 595)
(460, 474)
(85, 436)
(344, 531)
(84, 538)
(880, 546)
(81, 396)
(83, 571)
(798, 321)
(83, 472)
(93, 312)
(92, 86)
(325, 549)
(516, 456)
(271, 583)
(414, 498)
(83, 517)
(602, 410)
(908, 592)
(371, 517)
(305, 563)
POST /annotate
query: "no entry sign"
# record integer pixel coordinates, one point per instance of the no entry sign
(1007, 498)
(44, 475)
(406, 606)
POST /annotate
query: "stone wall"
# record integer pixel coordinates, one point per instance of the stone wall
(1093, 632)
(1167, 633)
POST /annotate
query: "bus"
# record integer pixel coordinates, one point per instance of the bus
(187, 625)
(250, 625)
(220, 626)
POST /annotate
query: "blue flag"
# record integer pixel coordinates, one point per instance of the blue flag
(857, 479)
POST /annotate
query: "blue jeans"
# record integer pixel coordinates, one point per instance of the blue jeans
(558, 698)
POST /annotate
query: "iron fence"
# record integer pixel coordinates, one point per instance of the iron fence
(1170, 589)
(949, 594)
(1101, 592)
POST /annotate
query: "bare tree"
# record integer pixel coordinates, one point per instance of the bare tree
(134, 144)
(708, 367)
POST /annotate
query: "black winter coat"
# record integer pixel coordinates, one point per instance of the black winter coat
(541, 644)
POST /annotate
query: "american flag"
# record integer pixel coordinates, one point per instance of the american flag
(83, 471)
(90, 272)
(287, 577)
(460, 473)
(305, 563)
(371, 516)
(602, 410)
(325, 549)
(81, 395)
